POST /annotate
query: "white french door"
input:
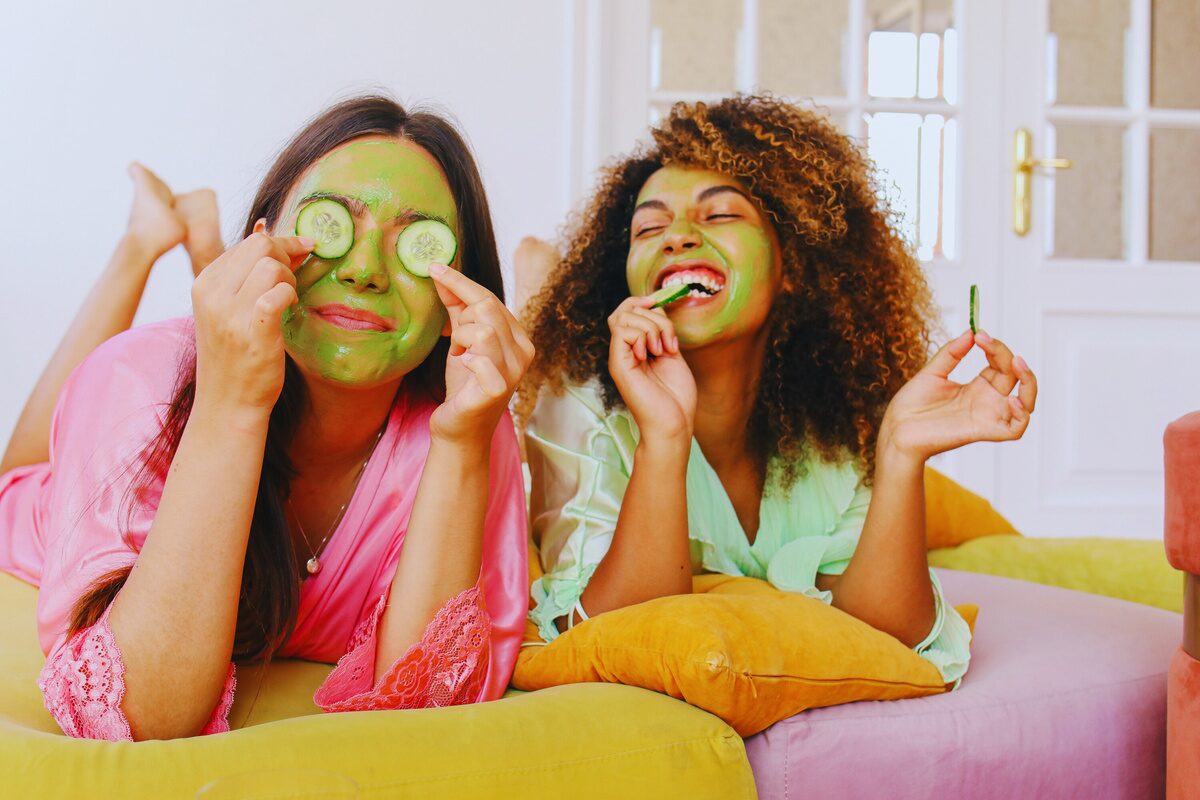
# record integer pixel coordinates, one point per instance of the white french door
(1100, 294)
(1105, 285)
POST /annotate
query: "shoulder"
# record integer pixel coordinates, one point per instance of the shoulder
(149, 354)
(574, 404)
(120, 388)
(576, 418)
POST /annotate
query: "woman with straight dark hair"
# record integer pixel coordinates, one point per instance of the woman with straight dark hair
(318, 464)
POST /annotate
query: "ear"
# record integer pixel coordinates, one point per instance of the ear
(260, 226)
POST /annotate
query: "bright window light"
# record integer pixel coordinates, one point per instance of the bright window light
(892, 64)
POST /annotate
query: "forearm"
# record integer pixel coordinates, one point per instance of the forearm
(176, 616)
(650, 555)
(442, 549)
(887, 582)
(107, 310)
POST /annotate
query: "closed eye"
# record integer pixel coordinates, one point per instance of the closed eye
(724, 216)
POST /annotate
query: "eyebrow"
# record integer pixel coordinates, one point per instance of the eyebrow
(658, 204)
(358, 208)
(715, 190)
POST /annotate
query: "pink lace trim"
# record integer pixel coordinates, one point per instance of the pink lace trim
(83, 683)
(219, 721)
(447, 667)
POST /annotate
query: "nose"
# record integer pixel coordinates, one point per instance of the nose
(680, 237)
(363, 269)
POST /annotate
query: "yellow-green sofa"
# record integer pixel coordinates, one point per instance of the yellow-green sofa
(568, 743)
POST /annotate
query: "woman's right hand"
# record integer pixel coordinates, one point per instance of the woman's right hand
(238, 302)
(655, 382)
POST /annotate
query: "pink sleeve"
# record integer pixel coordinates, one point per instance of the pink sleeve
(83, 683)
(92, 518)
(504, 575)
(447, 667)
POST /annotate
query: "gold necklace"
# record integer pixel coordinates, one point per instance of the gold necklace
(313, 565)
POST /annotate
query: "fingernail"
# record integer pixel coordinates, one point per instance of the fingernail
(982, 336)
(437, 269)
(1021, 364)
(466, 356)
(306, 242)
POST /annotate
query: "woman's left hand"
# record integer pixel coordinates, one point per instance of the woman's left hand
(489, 353)
(932, 414)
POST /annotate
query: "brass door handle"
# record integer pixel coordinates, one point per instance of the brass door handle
(1023, 165)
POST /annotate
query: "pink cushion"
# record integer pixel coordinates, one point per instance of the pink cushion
(1066, 697)
(1181, 454)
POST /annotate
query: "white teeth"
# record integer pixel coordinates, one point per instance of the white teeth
(701, 278)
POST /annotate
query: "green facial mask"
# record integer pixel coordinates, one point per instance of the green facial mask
(725, 230)
(363, 319)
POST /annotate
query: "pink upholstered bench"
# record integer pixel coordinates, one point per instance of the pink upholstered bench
(1066, 697)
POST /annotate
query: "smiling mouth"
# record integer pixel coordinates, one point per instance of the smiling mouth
(702, 279)
(353, 319)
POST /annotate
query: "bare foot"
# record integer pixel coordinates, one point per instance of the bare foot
(532, 263)
(198, 210)
(152, 219)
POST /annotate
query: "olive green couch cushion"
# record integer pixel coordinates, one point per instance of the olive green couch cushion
(577, 742)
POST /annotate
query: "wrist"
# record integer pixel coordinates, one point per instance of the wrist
(892, 457)
(471, 452)
(664, 451)
(225, 414)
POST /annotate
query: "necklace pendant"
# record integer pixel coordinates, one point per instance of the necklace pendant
(313, 566)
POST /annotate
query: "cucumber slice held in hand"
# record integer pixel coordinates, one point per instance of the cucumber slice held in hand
(426, 242)
(974, 308)
(329, 224)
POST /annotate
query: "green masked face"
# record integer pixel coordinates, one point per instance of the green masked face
(702, 227)
(364, 320)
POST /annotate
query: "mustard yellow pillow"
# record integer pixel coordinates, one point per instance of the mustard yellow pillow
(738, 648)
(955, 514)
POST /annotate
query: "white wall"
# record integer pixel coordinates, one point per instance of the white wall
(205, 94)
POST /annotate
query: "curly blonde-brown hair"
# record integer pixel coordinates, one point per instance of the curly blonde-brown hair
(851, 323)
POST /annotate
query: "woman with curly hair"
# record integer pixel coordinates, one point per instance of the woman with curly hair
(776, 421)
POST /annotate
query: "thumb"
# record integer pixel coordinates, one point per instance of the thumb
(946, 359)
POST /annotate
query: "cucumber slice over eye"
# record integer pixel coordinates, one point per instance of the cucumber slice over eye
(425, 242)
(974, 308)
(329, 224)
(669, 294)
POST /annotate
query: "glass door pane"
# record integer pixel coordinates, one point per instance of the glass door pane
(801, 47)
(1175, 54)
(912, 50)
(1086, 49)
(694, 45)
(1087, 202)
(1174, 195)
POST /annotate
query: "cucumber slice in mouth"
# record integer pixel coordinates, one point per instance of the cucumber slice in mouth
(329, 224)
(974, 308)
(669, 294)
(426, 242)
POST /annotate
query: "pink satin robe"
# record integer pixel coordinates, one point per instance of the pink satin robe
(62, 524)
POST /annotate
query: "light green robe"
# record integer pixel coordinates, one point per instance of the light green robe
(581, 457)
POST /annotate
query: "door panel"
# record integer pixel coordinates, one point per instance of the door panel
(1106, 285)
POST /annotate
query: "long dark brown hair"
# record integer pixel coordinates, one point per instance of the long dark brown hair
(270, 588)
